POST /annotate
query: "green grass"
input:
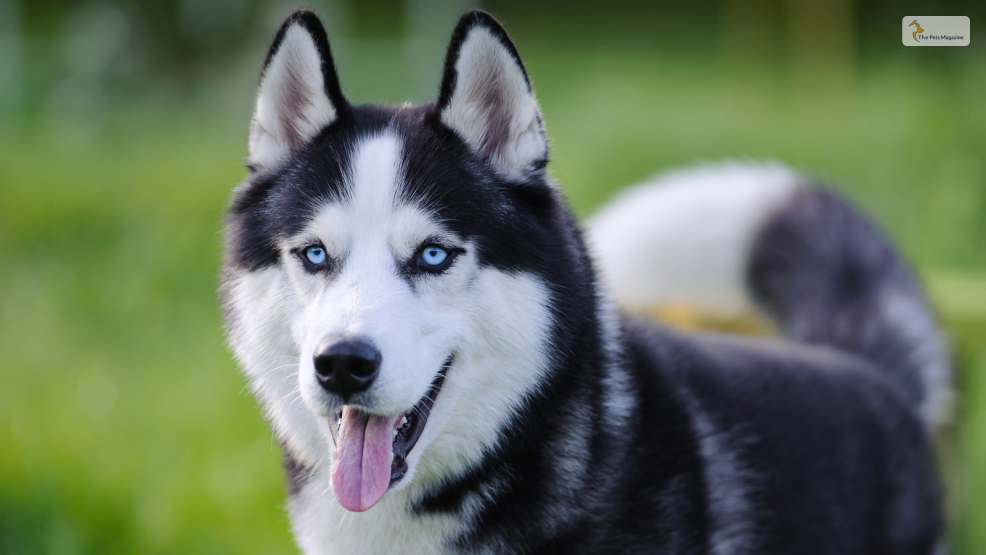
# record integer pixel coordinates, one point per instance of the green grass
(125, 426)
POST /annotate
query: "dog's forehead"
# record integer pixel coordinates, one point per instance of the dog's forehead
(375, 204)
(396, 166)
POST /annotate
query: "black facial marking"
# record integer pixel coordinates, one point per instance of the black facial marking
(297, 472)
(278, 204)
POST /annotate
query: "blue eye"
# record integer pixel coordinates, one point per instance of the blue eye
(315, 255)
(433, 256)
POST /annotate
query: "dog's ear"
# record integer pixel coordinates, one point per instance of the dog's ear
(299, 92)
(487, 99)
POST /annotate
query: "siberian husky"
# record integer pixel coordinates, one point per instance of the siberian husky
(441, 356)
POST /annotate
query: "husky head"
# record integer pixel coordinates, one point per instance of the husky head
(391, 273)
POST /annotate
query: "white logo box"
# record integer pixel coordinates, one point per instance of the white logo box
(935, 30)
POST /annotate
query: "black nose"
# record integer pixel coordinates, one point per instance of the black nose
(346, 366)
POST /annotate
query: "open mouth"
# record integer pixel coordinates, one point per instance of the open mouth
(372, 450)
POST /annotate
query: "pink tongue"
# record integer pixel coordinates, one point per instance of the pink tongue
(364, 449)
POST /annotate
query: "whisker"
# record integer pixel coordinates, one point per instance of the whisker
(297, 389)
(276, 368)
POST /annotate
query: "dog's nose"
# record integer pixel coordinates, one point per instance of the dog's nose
(346, 366)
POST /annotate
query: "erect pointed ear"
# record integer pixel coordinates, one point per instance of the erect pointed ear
(299, 92)
(487, 99)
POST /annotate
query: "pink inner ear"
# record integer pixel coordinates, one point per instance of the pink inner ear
(492, 106)
(293, 104)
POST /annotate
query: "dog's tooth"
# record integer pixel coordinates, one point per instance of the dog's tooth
(403, 422)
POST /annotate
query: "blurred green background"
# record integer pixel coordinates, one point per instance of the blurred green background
(125, 426)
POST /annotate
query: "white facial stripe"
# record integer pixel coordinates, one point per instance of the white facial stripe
(374, 177)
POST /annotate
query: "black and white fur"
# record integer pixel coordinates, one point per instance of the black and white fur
(562, 426)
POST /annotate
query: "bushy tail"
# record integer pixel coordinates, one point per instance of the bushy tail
(731, 238)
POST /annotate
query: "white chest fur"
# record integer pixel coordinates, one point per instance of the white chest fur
(323, 527)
